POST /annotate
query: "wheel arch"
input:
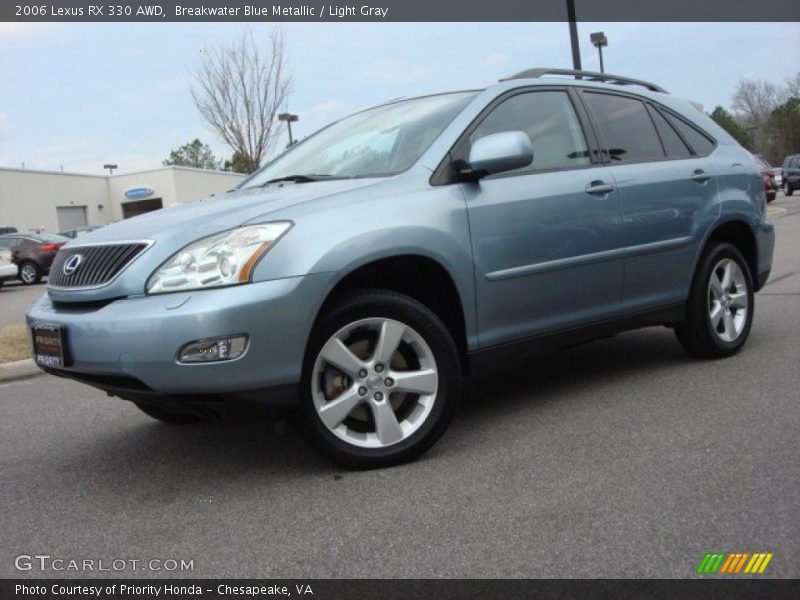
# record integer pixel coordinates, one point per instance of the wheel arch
(416, 275)
(738, 232)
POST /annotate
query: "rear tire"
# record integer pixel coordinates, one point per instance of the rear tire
(720, 306)
(172, 415)
(789, 190)
(381, 380)
(29, 273)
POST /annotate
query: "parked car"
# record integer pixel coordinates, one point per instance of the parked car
(33, 253)
(767, 177)
(8, 270)
(790, 173)
(776, 175)
(8, 230)
(79, 231)
(357, 277)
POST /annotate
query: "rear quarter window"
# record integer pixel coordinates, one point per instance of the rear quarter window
(674, 146)
(701, 144)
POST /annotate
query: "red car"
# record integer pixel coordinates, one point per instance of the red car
(767, 177)
(33, 253)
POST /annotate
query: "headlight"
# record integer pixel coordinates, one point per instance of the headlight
(227, 258)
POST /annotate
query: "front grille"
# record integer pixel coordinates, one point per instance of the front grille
(97, 264)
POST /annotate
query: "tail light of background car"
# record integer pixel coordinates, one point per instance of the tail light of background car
(50, 247)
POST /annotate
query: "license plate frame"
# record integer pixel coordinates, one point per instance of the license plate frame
(50, 345)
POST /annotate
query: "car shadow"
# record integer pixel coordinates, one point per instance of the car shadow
(246, 450)
(542, 376)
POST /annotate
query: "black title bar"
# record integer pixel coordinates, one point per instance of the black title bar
(397, 589)
(399, 10)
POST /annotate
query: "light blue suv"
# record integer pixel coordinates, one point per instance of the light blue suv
(359, 276)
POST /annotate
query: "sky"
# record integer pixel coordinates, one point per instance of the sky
(78, 95)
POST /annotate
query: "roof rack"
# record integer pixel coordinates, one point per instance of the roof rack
(588, 76)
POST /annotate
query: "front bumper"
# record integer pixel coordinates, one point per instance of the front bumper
(129, 346)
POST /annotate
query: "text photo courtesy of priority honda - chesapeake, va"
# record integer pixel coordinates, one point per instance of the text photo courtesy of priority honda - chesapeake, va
(462, 300)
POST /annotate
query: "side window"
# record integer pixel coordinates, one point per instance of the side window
(627, 130)
(10, 242)
(699, 142)
(673, 144)
(550, 122)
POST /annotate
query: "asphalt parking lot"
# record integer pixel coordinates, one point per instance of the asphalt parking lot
(15, 298)
(620, 458)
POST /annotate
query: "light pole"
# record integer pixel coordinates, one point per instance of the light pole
(110, 168)
(573, 35)
(599, 40)
(289, 118)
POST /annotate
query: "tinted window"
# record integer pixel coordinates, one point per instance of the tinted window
(550, 122)
(699, 142)
(673, 144)
(627, 130)
(9, 242)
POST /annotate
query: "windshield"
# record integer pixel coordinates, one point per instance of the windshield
(378, 142)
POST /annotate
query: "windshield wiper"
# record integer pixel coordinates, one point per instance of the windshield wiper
(302, 178)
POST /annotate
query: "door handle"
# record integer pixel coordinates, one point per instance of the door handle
(599, 188)
(700, 176)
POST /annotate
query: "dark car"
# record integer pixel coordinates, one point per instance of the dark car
(790, 173)
(33, 253)
(8, 230)
(79, 231)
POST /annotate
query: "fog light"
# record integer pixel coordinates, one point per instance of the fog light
(213, 349)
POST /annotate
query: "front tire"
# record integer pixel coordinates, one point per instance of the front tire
(789, 190)
(29, 273)
(381, 380)
(720, 306)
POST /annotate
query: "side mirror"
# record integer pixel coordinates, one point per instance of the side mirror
(497, 153)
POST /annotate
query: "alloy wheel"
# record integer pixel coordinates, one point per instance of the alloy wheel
(728, 300)
(374, 382)
(28, 273)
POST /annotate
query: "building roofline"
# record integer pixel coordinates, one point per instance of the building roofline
(51, 172)
(177, 168)
(163, 168)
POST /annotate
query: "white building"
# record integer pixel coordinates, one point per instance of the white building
(32, 200)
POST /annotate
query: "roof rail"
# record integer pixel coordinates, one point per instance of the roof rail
(587, 75)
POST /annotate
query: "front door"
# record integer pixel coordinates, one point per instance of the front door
(546, 238)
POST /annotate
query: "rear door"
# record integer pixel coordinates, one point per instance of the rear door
(667, 194)
(546, 238)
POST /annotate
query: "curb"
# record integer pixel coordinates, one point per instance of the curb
(20, 369)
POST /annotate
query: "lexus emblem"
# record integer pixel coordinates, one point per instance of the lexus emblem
(72, 264)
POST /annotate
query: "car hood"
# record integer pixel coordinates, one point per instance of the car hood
(170, 229)
(210, 215)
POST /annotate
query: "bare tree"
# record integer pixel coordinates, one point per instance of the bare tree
(239, 90)
(754, 101)
(793, 86)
